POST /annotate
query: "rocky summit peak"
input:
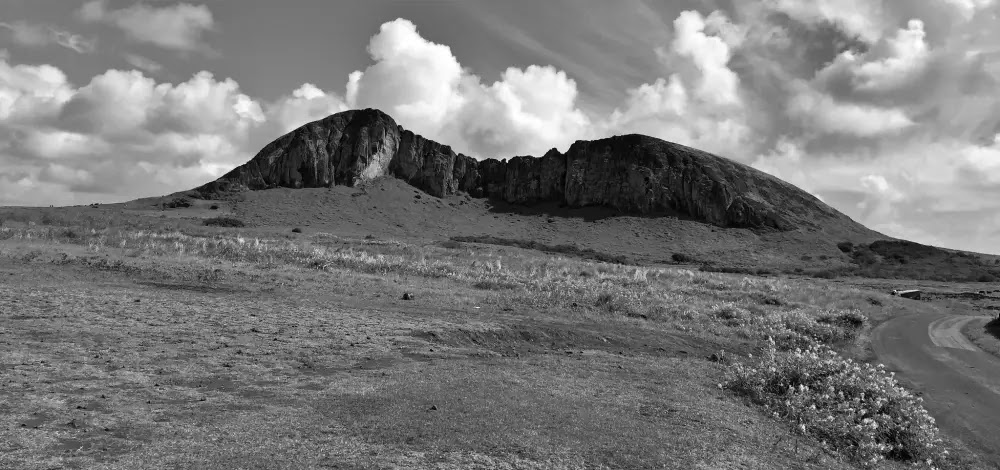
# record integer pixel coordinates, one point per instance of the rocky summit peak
(634, 174)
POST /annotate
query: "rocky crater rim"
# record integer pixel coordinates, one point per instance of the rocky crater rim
(632, 173)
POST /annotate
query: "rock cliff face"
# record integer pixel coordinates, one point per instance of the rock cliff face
(633, 173)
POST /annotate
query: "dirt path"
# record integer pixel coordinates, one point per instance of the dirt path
(947, 333)
(960, 383)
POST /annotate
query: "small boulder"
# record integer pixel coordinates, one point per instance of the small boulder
(408, 296)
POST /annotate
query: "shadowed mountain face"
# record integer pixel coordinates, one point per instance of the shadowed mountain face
(634, 174)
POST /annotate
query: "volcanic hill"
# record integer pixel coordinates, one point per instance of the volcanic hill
(629, 194)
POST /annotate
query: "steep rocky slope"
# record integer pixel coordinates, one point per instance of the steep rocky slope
(634, 174)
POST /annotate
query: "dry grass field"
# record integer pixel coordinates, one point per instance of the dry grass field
(141, 339)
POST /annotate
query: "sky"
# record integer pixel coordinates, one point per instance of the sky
(889, 111)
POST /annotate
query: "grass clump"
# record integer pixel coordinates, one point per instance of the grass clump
(856, 409)
(565, 249)
(682, 258)
(223, 222)
(177, 203)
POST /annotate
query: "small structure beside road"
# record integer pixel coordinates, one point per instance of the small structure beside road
(909, 294)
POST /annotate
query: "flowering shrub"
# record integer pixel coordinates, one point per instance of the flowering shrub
(797, 328)
(853, 408)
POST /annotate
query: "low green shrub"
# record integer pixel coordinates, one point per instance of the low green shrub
(494, 284)
(178, 202)
(451, 244)
(682, 258)
(856, 409)
(864, 257)
(851, 319)
(564, 249)
(223, 222)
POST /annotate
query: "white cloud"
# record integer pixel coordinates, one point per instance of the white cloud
(903, 55)
(31, 92)
(424, 87)
(121, 135)
(860, 18)
(306, 104)
(413, 79)
(665, 109)
(30, 34)
(785, 161)
(698, 105)
(143, 63)
(821, 113)
(177, 27)
(526, 112)
(969, 8)
(890, 64)
(717, 84)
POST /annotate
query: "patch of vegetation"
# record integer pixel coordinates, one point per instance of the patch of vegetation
(715, 268)
(223, 222)
(451, 245)
(571, 250)
(900, 259)
(745, 310)
(495, 284)
(845, 246)
(177, 202)
(682, 258)
(853, 408)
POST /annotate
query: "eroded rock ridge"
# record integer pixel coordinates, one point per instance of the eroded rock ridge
(634, 174)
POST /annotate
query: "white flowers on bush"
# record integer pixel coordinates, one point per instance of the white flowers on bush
(855, 408)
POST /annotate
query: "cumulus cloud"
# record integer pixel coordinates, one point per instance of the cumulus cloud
(717, 84)
(969, 8)
(821, 113)
(29, 93)
(863, 19)
(305, 104)
(177, 27)
(699, 103)
(892, 63)
(529, 110)
(426, 89)
(31, 34)
(120, 135)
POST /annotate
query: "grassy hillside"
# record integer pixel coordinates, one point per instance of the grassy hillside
(131, 341)
(900, 259)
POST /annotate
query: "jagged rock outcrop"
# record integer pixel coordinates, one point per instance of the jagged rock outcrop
(632, 173)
